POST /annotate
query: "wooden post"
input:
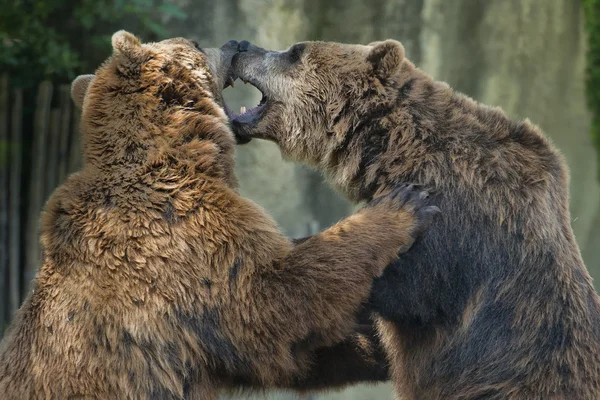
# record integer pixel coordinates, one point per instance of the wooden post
(65, 131)
(52, 146)
(75, 145)
(4, 112)
(36, 183)
(14, 255)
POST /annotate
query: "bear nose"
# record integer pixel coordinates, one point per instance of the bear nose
(244, 45)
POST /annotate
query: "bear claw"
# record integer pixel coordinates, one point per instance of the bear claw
(411, 198)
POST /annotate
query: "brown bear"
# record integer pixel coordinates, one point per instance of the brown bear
(494, 302)
(157, 279)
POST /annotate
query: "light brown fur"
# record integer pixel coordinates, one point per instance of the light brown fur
(157, 279)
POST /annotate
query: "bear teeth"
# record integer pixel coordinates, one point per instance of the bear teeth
(243, 110)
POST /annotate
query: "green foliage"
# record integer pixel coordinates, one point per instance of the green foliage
(58, 39)
(592, 16)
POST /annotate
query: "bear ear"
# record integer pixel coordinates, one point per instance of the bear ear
(386, 57)
(128, 53)
(79, 88)
(125, 43)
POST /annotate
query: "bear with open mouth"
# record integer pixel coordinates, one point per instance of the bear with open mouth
(494, 301)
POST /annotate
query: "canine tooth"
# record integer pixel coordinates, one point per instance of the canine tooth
(232, 83)
(243, 109)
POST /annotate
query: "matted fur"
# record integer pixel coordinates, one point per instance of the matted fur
(495, 301)
(157, 279)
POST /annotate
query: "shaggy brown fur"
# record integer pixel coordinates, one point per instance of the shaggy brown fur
(495, 301)
(158, 280)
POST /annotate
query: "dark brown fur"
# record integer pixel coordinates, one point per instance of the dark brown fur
(158, 280)
(494, 301)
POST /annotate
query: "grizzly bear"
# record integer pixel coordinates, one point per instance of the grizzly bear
(494, 302)
(157, 279)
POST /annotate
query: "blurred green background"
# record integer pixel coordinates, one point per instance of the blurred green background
(537, 59)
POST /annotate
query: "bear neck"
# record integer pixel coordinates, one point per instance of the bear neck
(425, 133)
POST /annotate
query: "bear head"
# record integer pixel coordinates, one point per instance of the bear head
(314, 93)
(147, 99)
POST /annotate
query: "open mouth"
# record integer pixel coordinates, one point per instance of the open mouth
(246, 115)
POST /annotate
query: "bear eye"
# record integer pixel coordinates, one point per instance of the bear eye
(295, 52)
